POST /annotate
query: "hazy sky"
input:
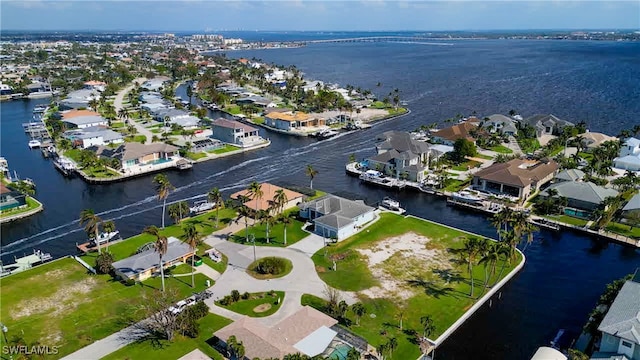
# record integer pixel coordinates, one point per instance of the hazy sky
(195, 15)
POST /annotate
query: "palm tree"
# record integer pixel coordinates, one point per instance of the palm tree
(191, 238)
(93, 103)
(214, 196)
(358, 310)
(311, 173)
(393, 344)
(175, 212)
(266, 218)
(163, 188)
(280, 199)
(255, 192)
(381, 350)
(91, 223)
(470, 250)
(243, 213)
(494, 252)
(427, 325)
(286, 219)
(160, 246)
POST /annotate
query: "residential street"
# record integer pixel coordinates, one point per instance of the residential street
(117, 103)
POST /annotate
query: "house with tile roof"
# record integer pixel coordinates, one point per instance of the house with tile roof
(291, 120)
(620, 327)
(518, 178)
(307, 331)
(569, 175)
(10, 198)
(399, 155)
(592, 140)
(93, 136)
(335, 217)
(581, 195)
(449, 135)
(268, 195)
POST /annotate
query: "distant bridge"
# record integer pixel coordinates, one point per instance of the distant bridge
(405, 39)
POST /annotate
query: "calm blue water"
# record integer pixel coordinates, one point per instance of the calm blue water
(597, 82)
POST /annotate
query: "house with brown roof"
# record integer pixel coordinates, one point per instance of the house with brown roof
(268, 195)
(449, 135)
(291, 120)
(517, 178)
(592, 140)
(236, 133)
(307, 331)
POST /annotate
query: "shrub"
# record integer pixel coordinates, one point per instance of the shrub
(104, 263)
(235, 295)
(270, 265)
(226, 300)
(245, 296)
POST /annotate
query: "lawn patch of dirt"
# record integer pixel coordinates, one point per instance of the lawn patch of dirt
(394, 261)
(61, 301)
(262, 308)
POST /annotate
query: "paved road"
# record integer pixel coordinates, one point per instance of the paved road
(117, 103)
(106, 346)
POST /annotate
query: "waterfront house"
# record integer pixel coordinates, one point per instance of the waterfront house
(620, 327)
(498, 123)
(133, 155)
(307, 331)
(547, 124)
(268, 195)
(145, 264)
(93, 136)
(257, 101)
(292, 120)
(569, 175)
(629, 158)
(5, 89)
(401, 156)
(592, 140)
(517, 178)
(154, 84)
(235, 133)
(335, 217)
(10, 198)
(95, 85)
(79, 99)
(206, 145)
(81, 122)
(632, 208)
(581, 195)
(449, 135)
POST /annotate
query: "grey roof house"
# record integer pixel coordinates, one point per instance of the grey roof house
(134, 154)
(144, 264)
(632, 207)
(621, 326)
(399, 154)
(336, 217)
(581, 195)
(546, 124)
(569, 175)
(501, 124)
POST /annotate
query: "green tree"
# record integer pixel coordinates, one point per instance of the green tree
(159, 246)
(191, 237)
(280, 199)
(463, 148)
(104, 262)
(358, 310)
(243, 213)
(91, 223)
(286, 220)
(163, 189)
(214, 196)
(311, 173)
(428, 325)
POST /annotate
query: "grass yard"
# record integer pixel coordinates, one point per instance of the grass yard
(100, 172)
(165, 350)
(179, 269)
(196, 156)
(528, 145)
(217, 266)
(568, 220)
(624, 229)
(258, 120)
(486, 157)
(452, 185)
(227, 148)
(501, 149)
(205, 225)
(137, 138)
(31, 204)
(467, 165)
(276, 233)
(257, 305)
(233, 109)
(405, 263)
(60, 304)
(117, 124)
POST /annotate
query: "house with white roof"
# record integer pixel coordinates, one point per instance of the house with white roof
(629, 158)
(620, 327)
(95, 85)
(398, 154)
(335, 217)
(501, 124)
(93, 136)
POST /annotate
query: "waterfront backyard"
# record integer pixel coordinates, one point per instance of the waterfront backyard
(409, 268)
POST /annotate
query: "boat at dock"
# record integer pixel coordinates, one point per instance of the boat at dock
(467, 197)
(105, 237)
(544, 223)
(389, 204)
(25, 263)
(376, 177)
(325, 134)
(201, 206)
(49, 151)
(65, 166)
(34, 143)
(39, 109)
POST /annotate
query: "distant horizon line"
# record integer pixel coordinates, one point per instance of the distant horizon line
(316, 31)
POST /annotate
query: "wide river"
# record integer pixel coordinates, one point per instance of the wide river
(598, 82)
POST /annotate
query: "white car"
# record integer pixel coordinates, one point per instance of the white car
(177, 308)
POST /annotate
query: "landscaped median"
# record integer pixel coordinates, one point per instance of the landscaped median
(253, 304)
(409, 268)
(61, 304)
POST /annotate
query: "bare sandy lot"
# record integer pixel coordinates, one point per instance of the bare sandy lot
(397, 260)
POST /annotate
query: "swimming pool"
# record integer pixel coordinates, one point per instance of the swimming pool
(340, 352)
(577, 213)
(159, 161)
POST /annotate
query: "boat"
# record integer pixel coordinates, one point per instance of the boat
(104, 237)
(326, 134)
(467, 197)
(34, 143)
(64, 165)
(25, 263)
(49, 151)
(390, 203)
(201, 206)
(39, 109)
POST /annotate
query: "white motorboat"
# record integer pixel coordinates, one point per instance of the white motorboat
(466, 196)
(105, 237)
(64, 165)
(201, 206)
(390, 203)
(34, 144)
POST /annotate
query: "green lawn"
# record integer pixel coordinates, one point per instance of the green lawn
(568, 220)
(196, 156)
(501, 149)
(100, 172)
(288, 266)
(30, 202)
(440, 290)
(73, 154)
(624, 229)
(397, 111)
(136, 138)
(117, 124)
(528, 145)
(258, 120)
(179, 269)
(452, 185)
(233, 109)
(204, 224)
(165, 350)
(247, 307)
(486, 157)
(59, 303)
(276, 233)
(217, 266)
(465, 165)
(225, 149)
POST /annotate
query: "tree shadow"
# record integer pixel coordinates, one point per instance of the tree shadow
(434, 290)
(450, 276)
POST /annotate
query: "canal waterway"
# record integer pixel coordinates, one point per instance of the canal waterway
(598, 82)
